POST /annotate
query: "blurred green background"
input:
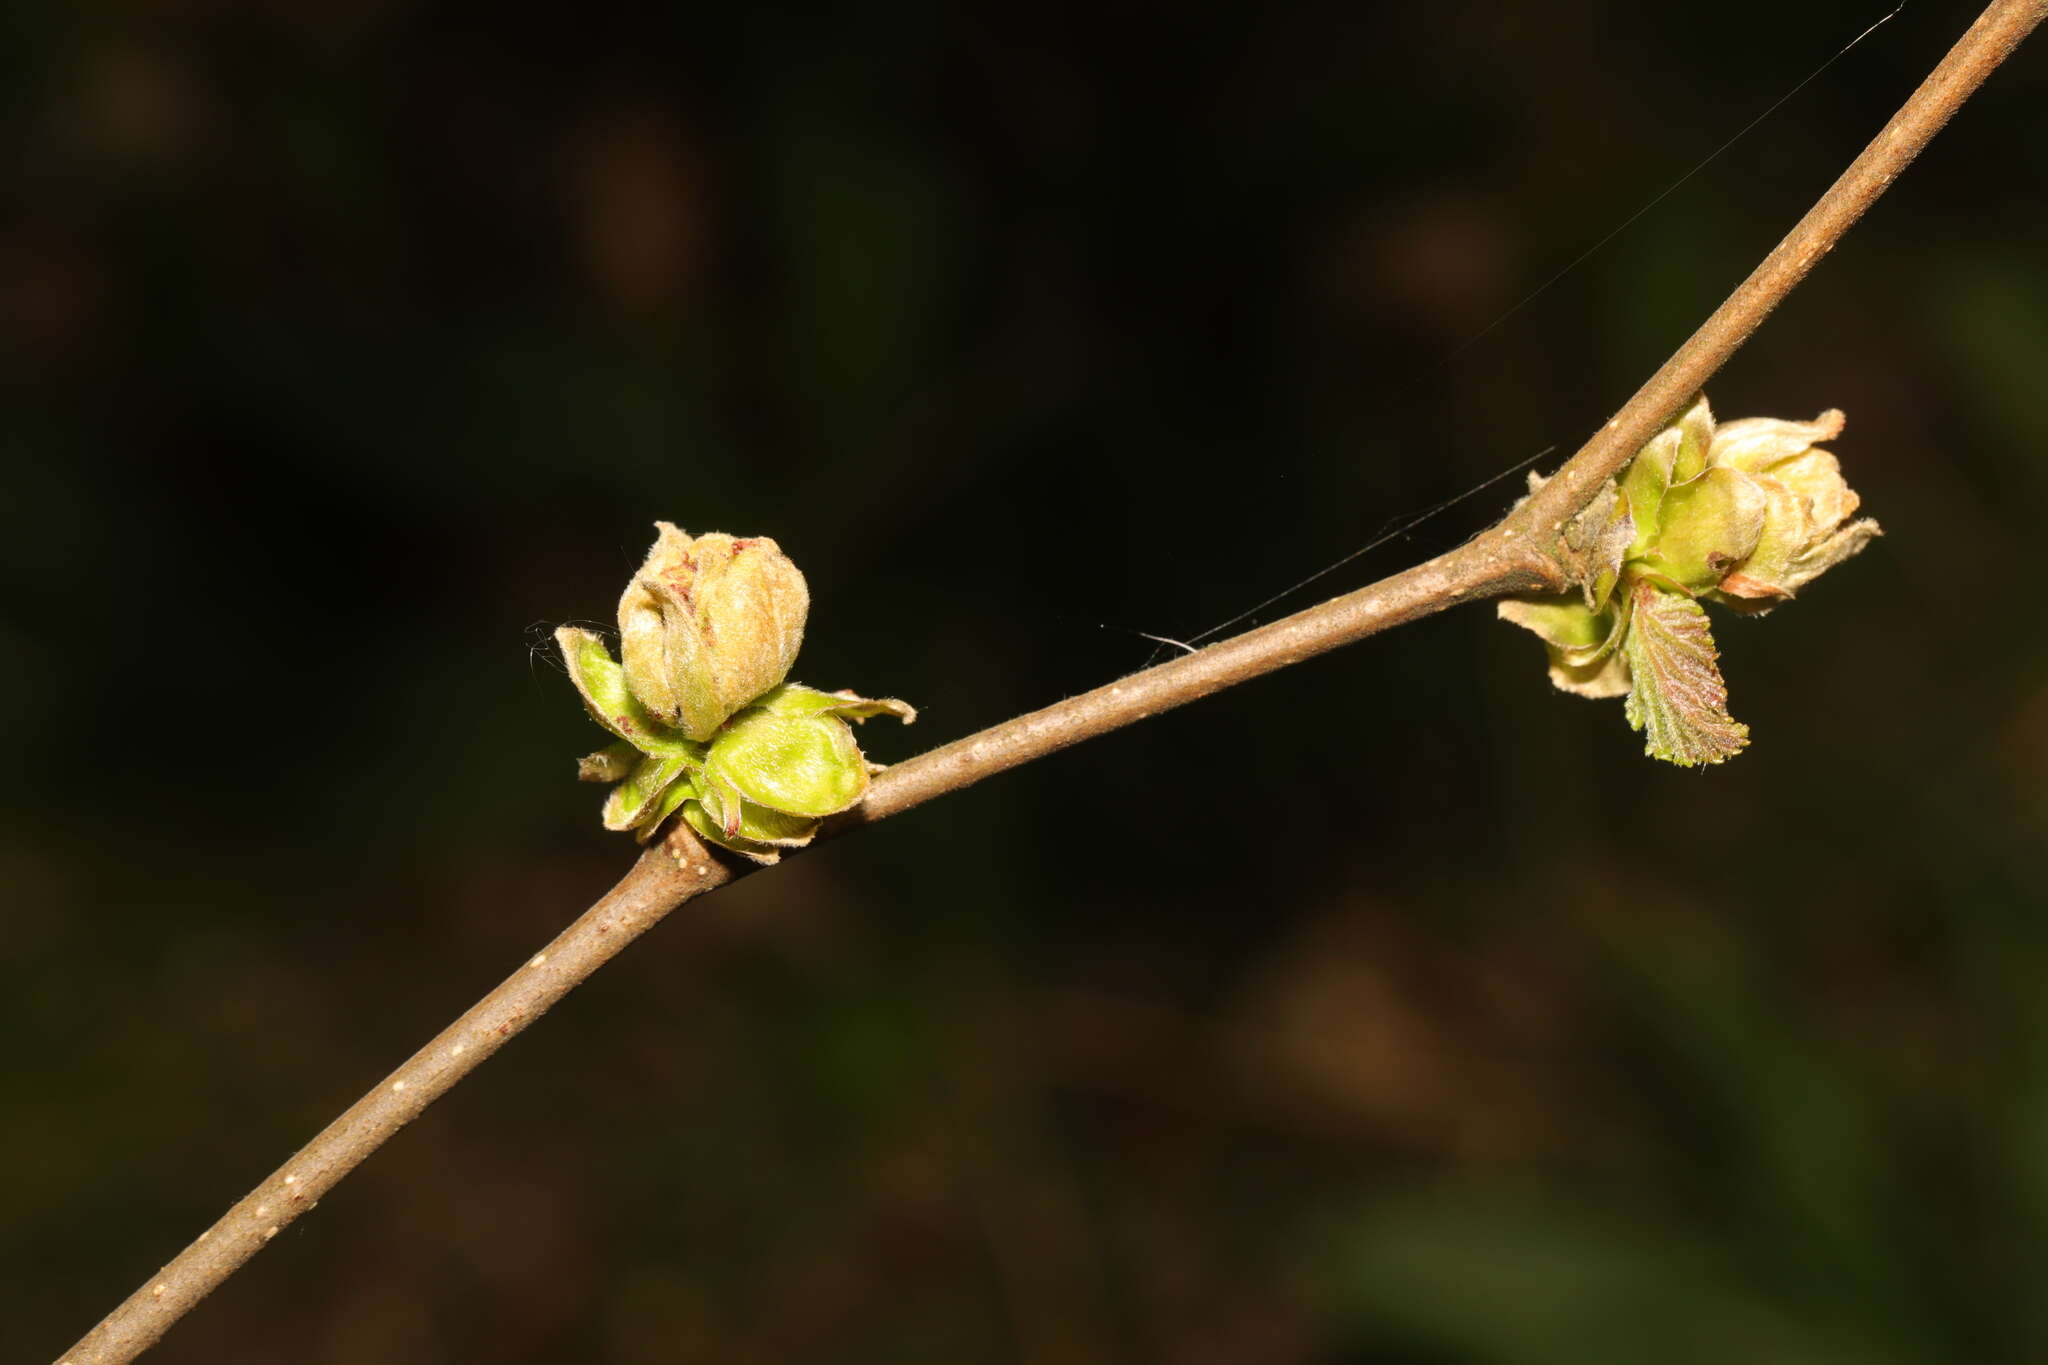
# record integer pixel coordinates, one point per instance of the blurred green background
(1393, 1009)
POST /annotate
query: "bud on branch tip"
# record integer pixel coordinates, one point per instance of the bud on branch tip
(708, 728)
(1743, 514)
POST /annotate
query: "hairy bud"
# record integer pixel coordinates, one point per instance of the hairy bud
(709, 624)
(1744, 514)
(708, 730)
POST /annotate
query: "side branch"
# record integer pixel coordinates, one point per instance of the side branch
(1520, 554)
(1989, 41)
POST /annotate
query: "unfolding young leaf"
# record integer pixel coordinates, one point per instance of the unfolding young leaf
(1677, 697)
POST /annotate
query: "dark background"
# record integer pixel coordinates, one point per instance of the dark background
(1393, 1009)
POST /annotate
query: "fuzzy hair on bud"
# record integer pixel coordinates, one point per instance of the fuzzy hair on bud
(708, 624)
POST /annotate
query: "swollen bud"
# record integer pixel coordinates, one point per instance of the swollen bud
(709, 624)
(709, 733)
(1744, 513)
